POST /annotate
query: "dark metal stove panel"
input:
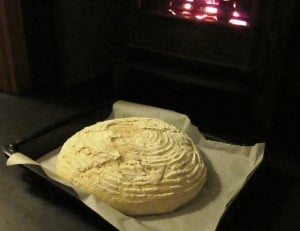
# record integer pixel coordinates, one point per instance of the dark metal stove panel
(241, 64)
(210, 43)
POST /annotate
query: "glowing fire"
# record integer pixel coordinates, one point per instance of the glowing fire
(211, 2)
(187, 6)
(201, 16)
(211, 10)
(235, 14)
(238, 22)
(186, 13)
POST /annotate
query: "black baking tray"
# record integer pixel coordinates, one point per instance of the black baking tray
(40, 142)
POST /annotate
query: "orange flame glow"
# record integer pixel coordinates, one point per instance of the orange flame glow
(211, 10)
(238, 22)
(235, 14)
(187, 6)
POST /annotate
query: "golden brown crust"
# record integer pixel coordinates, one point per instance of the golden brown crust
(137, 165)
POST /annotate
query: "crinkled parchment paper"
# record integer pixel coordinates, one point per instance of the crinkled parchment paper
(229, 167)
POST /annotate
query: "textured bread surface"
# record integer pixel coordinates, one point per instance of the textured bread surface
(138, 165)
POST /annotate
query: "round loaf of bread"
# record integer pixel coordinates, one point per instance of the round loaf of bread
(138, 165)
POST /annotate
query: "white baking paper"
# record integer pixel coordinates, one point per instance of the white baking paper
(229, 167)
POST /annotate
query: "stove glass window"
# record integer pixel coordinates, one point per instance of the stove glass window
(235, 12)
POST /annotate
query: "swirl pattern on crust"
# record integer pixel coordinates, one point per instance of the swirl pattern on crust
(137, 165)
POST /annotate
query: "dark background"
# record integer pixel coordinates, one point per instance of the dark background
(76, 42)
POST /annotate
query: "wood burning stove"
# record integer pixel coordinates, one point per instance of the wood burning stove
(222, 57)
(237, 12)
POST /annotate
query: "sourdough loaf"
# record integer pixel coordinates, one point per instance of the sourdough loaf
(138, 165)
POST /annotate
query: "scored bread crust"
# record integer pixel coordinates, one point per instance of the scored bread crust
(138, 165)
